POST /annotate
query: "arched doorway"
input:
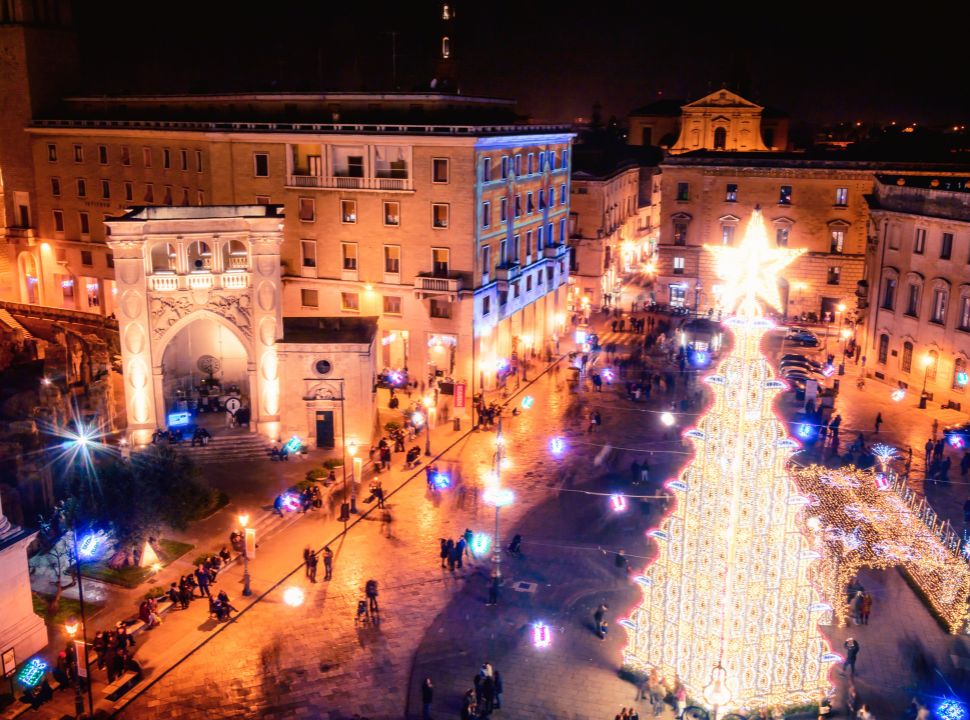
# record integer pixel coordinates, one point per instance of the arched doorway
(720, 138)
(29, 279)
(205, 377)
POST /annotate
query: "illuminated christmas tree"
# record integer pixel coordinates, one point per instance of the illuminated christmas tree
(730, 588)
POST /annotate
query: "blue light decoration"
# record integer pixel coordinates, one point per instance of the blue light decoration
(294, 444)
(441, 480)
(417, 419)
(481, 542)
(658, 534)
(557, 446)
(608, 375)
(676, 485)
(642, 580)
(819, 607)
(395, 377)
(88, 545)
(32, 672)
(828, 370)
(951, 710)
(580, 337)
(290, 502)
(806, 431)
(541, 636)
(962, 378)
(956, 441)
(178, 419)
(882, 482)
(700, 358)
(832, 657)
(898, 394)
(617, 503)
(628, 624)
(527, 402)
(501, 365)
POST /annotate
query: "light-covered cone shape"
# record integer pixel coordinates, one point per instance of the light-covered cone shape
(731, 582)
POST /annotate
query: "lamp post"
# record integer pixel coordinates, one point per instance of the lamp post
(697, 295)
(247, 533)
(428, 402)
(717, 692)
(926, 361)
(71, 626)
(84, 634)
(499, 497)
(352, 451)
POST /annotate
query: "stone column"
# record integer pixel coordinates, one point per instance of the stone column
(267, 329)
(20, 629)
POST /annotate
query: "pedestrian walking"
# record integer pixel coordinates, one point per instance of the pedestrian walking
(468, 542)
(307, 553)
(645, 472)
(866, 607)
(327, 563)
(498, 689)
(450, 548)
(598, 618)
(370, 589)
(202, 578)
(488, 695)
(929, 451)
(965, 464)
(443, 552)
(427, 695)
(851, 646)
(634, 472)
(460, 551)
(936, 427)
(855, 606)
(878, 421)
(386, 520)
(312, 562)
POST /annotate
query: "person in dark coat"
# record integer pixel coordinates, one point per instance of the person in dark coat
(202, 578)
(427, 694)
(488, 694)
(444, 548)
(498, 689)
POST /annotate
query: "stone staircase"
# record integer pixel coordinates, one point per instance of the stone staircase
(236, 447)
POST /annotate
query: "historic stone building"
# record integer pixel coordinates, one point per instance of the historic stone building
(722, 121)
(813, 201)
(918, 328)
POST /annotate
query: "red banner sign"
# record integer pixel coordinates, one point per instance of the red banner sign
(459, 395)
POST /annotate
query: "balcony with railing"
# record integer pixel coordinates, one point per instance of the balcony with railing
(321, 182)
(508, 272)
(430, 284)
(554, 251)
(233, 280)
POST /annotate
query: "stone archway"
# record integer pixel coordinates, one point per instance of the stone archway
(30, 279)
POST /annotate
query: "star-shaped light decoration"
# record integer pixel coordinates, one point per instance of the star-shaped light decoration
(750, 270)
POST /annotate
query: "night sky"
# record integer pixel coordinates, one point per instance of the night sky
(828, 64)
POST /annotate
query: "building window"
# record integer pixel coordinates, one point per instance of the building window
(439, 170)
(440, 261)
(528, 283)
(440, 308)
(530, 163)
(959, 374)
(51, 152)
(518, 206)
(102, 154)
(530, 205)
(166, 158)
(168, 195)
(392, 305)
(198, 161)
(261, 165)
(55, 187)
(486, 214)
(348, 211)
(906, 364)
(539, 239)
(683, 192)
(946, 246)
(58, 220)
(82, 188)
(125, 155)
(185, 196)
(528, 243)
(146, 157)
(439, 216)
(781, 236)
(912, 302)
(784, 195)
(518, 165)
(110, 260)
(964, 323)
(841, 197)
(932, 365)
(919, 241)
(392, 259)
(309, 251)
(184, 159)
(727, 234)
(350, 301)
(720, 138)
(149, 193)
(309, 298)
(486, 169)
(889, 294)
(85, 223)
(504, 166)
(392, 213)
(562, 231)
(486, 305)
(883, 348)
(678, 266)
(515, 250)
(938, 315)
(680, 232)
(129, 191)
(504, 210)
(78, 153)
(562, 194)
(552, 198)
(106, 189)
(200, 198)
(838, 241)
(86, 259)
(731, 194)
(349, 254)
(308, 210)
(486, 262)
(834, 275)
(502, 253)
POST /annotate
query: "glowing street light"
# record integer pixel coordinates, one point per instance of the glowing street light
(926, 361)
(243, 522)
(293, 596)
(71, 625)
(557, 446)
(717, 693)
(667, 418)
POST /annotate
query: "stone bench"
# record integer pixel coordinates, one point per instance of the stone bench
(120, 686)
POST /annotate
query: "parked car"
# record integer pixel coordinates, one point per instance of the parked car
(801, 358)
(804, 338)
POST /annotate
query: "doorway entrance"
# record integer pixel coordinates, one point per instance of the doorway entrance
(325, 438)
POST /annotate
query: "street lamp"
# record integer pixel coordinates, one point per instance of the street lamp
(428, 409)
(498, 496)
(717, 692)
(926, 361)
(247, 533)
(352, 451)
(71, 626)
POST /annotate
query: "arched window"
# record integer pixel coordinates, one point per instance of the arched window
(907, 362)
(234, 256)
(959, 374)
(932, 364)
(445, 48)
(163, 259)
(883, 348)
(200, 257)
(720, 138)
